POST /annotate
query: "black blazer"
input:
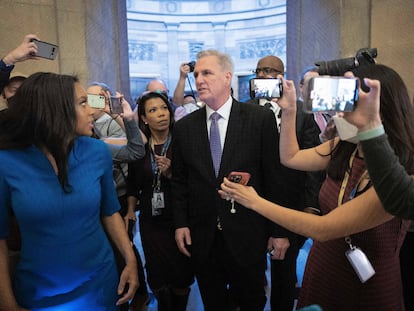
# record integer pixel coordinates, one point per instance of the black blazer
(300, 189)
(251, 145)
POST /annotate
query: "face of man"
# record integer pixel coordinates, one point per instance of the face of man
(212, 81)
(156, 85)
(189, 100)
(269, 67)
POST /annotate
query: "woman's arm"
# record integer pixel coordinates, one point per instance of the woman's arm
(134, 148)
(7, 299)
(310, 159)
(395, 187)
(360, 214)
(115, 228)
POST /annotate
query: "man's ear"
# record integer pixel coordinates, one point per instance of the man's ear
(229, 77)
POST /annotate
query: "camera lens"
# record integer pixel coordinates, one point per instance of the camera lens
(336, 67)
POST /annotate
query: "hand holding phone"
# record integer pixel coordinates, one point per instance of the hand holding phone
(115, 105)
(265, 88)
(331, 94)
(45, 49)
(239, 177)
(96, 101)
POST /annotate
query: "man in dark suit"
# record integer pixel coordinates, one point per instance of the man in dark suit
(226, 241)
(296, 185)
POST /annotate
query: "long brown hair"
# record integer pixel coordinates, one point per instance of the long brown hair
(397, 115)
(42, 113)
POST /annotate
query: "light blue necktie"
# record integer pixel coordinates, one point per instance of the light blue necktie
(215, 144)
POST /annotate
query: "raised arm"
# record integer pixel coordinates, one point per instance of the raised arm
(395, 187)
(134, 148)
(310, 159)
(178, 97)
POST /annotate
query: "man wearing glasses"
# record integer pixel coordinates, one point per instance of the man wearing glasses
(283, 268)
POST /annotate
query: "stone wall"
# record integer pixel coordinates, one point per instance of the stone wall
(332, 29)
(92, 37)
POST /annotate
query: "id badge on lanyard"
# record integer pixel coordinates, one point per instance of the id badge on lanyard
(157, 201)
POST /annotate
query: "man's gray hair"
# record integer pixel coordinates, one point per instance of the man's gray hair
(224, 59)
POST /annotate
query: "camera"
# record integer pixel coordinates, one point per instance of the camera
(338, 67)
(191, 65)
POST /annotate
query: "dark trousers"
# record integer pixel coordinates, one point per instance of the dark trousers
(283, 280)
(220, 274)
(407, 270)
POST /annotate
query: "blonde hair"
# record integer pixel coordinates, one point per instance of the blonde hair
(224, 59)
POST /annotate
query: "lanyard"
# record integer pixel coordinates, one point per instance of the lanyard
(353, 191)
(155, 169)
(346, 179)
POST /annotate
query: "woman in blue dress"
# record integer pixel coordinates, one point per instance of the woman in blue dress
(58, 183)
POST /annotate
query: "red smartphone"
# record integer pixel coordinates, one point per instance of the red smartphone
(239, 177)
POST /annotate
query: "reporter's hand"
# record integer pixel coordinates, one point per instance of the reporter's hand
(367, 112)
(127, 113)
(244, 195)
(288, 100)
(184, 70)
(24, 51)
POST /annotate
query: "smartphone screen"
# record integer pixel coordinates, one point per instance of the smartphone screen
(96, 101)
(265, 88)
(115, 105)
(46, 50)
(332, 94)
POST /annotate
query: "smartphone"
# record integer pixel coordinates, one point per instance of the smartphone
(239, 177)
(265, 88)
(331, 94)
(46, 50)
(96, 101)
(115, 105)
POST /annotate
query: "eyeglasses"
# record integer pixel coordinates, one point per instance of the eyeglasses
(267, 71)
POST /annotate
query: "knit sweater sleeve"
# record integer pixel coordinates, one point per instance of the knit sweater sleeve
(394, 186)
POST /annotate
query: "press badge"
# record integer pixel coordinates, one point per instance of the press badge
(157, 203)
(360, 263)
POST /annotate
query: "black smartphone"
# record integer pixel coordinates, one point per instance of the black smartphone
(265, 88)
(45, 49)
(96, 101)
(331, 94)
(115, 104)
